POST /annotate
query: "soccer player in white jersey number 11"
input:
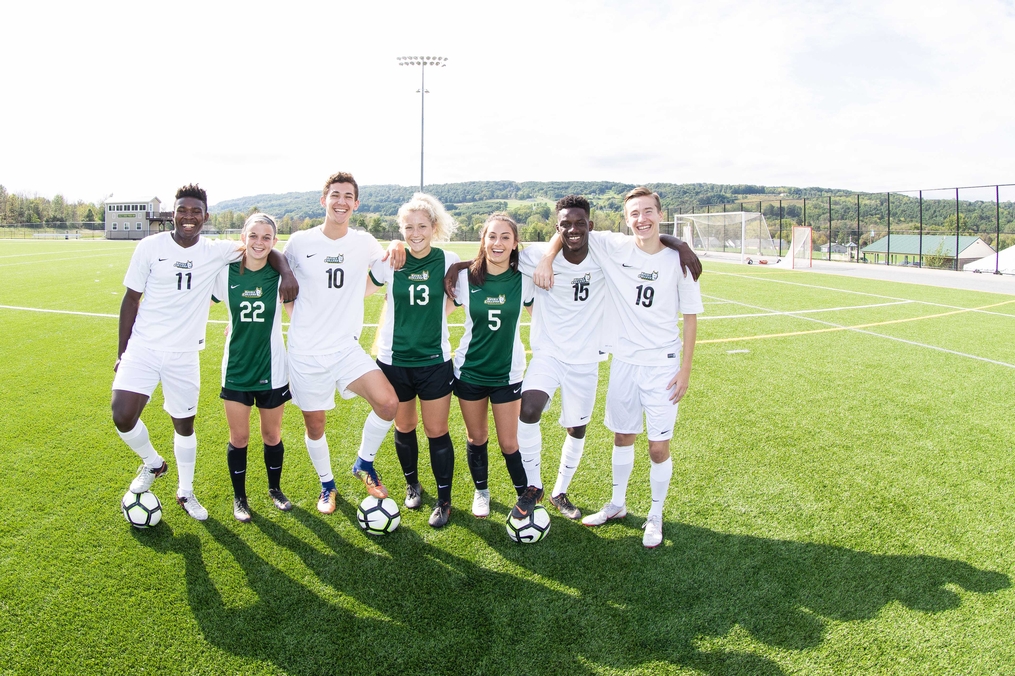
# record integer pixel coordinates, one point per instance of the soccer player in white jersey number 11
(651, 366)
(161, 336)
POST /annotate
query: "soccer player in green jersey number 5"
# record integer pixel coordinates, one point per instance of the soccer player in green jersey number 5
(254, 362)
(490, 359)
(414, 348)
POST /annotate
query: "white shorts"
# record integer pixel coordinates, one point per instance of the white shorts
(314, 378)
(141, 369)
(635, 390)
(577, 383)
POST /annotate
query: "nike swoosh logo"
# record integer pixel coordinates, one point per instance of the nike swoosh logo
(570, 466)
(192, 408)
(233, 286)
(451, 382)
(279, 467)
(517, 389)
(584, 417)
(442, 486)
(242, 471)
(625, 265)
(311, 255)
(285, 393)
(475, 290)
(163, 259)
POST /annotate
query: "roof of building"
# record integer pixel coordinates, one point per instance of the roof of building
(114, 199)
(933, 245)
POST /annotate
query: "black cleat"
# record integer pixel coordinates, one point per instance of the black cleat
(565, 507)
(279, 499)
(526, 502)
(441, 514)
(241, 510)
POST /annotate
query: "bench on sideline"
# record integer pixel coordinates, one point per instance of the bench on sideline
(57, 235)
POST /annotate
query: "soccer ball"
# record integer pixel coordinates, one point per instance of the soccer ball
(532, 528)
(378, 516)
(141, 509)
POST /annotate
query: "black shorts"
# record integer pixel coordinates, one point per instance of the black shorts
(425, 382)
(499, 394)
(265, 399)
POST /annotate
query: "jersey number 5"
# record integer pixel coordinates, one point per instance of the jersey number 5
(494, 317)
(251, 313)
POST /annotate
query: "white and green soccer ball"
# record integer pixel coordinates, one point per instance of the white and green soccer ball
(142, 510)
(378, 516)
(531, 528)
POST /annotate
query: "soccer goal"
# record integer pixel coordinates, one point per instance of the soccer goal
(800, 248)
(743, 233)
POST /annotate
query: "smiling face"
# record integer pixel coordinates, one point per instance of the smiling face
(573, 224)
(259, 238)
(418, 232)
(643, 216)
(498, 242)
(339, 203)
(189, 216)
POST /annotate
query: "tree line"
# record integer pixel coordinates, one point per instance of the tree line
(19, 208)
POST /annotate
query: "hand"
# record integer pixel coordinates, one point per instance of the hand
(395, 255)
(116, 364)
(543, 276)
(451, 277)
(288, 287)
(689, 260)
(679, 385)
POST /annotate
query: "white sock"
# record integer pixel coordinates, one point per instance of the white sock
(623, 463)
(185, 449)
(570, 456)
(320, 456)
(139, 442)
(659, 477)
(530, 445)
(374, 430)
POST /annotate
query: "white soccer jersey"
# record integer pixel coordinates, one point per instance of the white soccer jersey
(649, 292)
(567, 320)
(332, 273)
(177, 284)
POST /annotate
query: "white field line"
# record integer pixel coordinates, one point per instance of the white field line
(862, 329)
(766, 278)
(799, 312)
(56, 260)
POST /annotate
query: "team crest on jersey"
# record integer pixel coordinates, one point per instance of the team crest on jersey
(419, 276)
(495, 300)
(649, 276)
(340, 258)
(186, 266)
(252, 293)
(587, 279)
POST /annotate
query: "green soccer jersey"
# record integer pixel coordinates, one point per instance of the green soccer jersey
(254, 358)
(415, 330)
(491, 352)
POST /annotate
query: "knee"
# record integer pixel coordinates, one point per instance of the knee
(530, 413)
(434, 431)
(239, 440)
(387, 407)
(315, 426)
(577, 432)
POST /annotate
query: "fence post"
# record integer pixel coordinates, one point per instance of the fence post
(858, 227)
(997, 236)
(920, 257)
(780, 228)
(956, 229)
(888, 242)
(829, 227)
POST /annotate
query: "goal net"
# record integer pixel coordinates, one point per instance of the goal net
(800, 248)
(742, 233)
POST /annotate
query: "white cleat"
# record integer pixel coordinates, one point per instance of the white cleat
(653, 531)
(191, 506)
(146, 476)
(609, 511)
(481, 503)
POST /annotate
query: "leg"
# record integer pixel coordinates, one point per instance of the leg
(127, 408)
(474, 414)
(442, 451)
(238, 417)
(407, 449)
(274, 453)
(505, 417)
(530, 439)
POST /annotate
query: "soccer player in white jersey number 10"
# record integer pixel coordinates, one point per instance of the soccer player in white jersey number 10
(160, 336)
(651, 366)
(331, 263)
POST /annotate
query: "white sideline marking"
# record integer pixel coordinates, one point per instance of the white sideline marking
(862, 329)
(775, 313)
(55, 260)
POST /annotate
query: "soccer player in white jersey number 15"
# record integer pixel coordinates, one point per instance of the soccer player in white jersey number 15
(161, 335)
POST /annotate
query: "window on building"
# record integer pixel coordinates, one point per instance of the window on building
(138, 226)
(114, 226)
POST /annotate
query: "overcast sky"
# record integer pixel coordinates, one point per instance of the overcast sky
(137, 98)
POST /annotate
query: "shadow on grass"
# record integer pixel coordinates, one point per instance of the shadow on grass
(572, 603)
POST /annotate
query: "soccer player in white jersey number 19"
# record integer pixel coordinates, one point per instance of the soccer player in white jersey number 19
(161, 335)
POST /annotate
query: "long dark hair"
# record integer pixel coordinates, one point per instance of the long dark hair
(477, 271)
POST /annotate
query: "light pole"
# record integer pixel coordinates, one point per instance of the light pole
(422, 62)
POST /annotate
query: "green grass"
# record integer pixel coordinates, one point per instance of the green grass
(840, 504)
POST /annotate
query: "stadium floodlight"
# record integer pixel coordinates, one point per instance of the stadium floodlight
(422, 62)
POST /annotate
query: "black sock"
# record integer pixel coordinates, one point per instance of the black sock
(236, 458)
(273, 463)
(517, 471)
(479, 463)
(407, 449)
(442, 460)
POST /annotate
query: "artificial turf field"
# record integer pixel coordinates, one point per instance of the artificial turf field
(841, 503)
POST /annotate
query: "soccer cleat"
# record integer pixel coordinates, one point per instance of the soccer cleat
(565, 507)
(653, 531)
(441, 514)
(241, 510)
(413, 498)
(526, 502)
(279, 499)
(481, 503)
(191, 506)
(146, 476)
(609, 511)
(365, 472)
(326, 503)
